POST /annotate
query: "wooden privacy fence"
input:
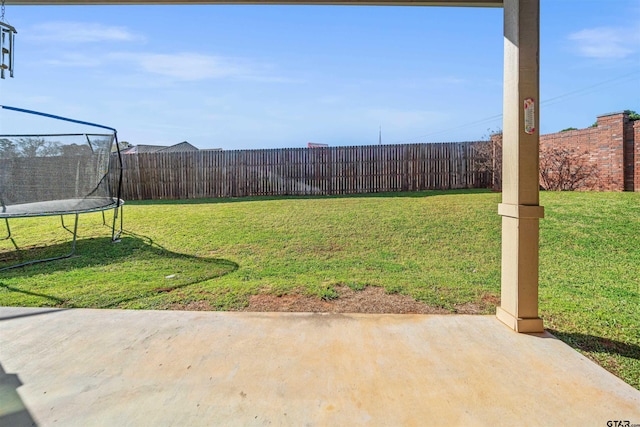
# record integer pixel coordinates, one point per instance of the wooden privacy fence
(301, 171)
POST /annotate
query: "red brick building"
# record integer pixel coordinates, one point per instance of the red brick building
(613, 146)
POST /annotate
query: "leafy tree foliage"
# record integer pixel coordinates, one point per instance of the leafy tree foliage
(29, 147)
(632, 115)
(8, 149)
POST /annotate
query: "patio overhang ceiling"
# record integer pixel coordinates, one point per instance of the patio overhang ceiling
(466, 3)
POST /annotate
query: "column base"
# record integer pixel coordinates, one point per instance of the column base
(525, 326)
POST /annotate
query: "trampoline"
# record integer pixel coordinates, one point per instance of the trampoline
(59, 174)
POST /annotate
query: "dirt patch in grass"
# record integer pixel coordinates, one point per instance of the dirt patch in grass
(369, 300)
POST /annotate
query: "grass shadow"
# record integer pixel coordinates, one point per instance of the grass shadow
(104, 274)
(594, 344)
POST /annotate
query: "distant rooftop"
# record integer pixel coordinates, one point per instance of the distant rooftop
(316, 145)
(144, 148)
(178, 148)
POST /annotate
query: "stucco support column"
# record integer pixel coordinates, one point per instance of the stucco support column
(520, 209)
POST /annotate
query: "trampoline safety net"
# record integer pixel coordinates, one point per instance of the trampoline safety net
(55, 174)
(45, 174)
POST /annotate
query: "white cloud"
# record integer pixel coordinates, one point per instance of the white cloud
(77, 60)
(605, 42)
(187, 66)
(191, 66)
(179, 66)
(80, 32)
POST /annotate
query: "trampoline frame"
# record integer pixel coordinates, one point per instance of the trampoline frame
(115, 234)
(116, 204)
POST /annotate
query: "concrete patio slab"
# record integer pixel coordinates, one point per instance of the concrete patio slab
(109, 367)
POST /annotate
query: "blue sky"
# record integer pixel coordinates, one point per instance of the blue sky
(239, 77)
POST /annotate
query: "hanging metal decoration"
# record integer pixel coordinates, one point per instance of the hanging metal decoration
(7, 44)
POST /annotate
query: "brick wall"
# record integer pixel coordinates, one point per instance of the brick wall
(613, 146)
(629, 155)
(636, 171)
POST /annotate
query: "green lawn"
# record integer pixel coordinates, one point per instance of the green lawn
(442, 248)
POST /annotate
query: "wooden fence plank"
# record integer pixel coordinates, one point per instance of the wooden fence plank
(300, 171)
